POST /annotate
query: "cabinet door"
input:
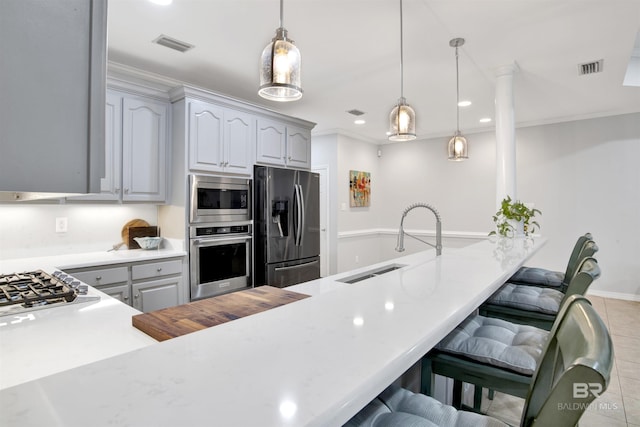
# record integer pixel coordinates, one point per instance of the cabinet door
(52, 75)
(239, 140)
(156, 294)
(144, 149)
(120, 292)
(271, 143)
(298, 147)
(205, 137)
(111, 181)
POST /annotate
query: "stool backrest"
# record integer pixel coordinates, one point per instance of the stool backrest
(588, 271)
(581, 250)
(575, 368)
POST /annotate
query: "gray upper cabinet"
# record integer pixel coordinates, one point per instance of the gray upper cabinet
(145, 130)
(272, 142)
(52, 102)
(135, 151)
(220, 139)
(283, 144)
(298, 147)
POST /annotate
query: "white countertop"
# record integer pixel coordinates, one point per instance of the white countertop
(89, 259)
(45, 342)
(313, 362)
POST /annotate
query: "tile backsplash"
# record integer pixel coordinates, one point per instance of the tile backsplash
(29, 230)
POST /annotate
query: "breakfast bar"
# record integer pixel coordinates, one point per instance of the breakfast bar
(312, 362)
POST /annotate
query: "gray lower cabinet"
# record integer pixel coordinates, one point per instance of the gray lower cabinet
(146, 286)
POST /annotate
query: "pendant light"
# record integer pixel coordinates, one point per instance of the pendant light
(458, 143)
(402, 120)
(280, 68)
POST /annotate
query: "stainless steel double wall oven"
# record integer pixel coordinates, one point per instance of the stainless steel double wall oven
(220, 235)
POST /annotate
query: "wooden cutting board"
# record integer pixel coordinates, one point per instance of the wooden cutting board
(133, 223)
(183, 319)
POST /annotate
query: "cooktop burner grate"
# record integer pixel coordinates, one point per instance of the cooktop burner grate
(37, 288)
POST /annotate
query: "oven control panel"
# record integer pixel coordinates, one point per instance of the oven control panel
(222, 230)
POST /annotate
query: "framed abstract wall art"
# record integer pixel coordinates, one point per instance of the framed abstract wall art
(359, 189)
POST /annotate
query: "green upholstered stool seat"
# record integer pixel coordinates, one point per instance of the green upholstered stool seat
(541, 277)
(536, 306)
(496, 342)
(401, 408)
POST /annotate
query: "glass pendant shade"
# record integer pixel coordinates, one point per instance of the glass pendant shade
(458, 147)
(402, 119)
(402, 122)
(280, 69)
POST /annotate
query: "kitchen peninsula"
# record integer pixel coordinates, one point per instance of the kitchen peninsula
(314, 362)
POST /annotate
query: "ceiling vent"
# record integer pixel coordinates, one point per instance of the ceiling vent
(172, 43)
(355, 112)
(590, 67)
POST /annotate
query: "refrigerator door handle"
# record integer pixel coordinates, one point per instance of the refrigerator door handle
(302, 215)
(298, 223)
(293, 267)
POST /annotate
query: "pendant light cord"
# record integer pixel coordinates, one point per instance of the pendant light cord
(401, 56)
(281, 14)
(457, 94)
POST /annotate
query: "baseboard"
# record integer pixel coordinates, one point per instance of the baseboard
(614, 295)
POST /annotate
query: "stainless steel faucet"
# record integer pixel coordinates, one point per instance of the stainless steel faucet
(401, 232)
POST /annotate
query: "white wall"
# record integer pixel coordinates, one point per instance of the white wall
(358, 155)
(28, 230)
(583, 175)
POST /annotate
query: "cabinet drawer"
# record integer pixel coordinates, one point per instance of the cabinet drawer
(103, 277)
(156, 269)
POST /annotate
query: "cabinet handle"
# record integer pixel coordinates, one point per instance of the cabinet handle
(159, 269)
(136, 296)
(126, 298)
(98, 278)
(117, 190)
(126, 191)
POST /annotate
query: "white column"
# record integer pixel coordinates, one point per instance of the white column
(505, 134)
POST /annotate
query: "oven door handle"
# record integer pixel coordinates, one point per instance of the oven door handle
(220, 239)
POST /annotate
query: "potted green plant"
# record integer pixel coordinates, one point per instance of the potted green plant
(515, 218)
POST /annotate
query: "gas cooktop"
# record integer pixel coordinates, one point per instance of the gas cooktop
(20, 292)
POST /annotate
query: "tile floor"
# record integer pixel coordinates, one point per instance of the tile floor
(620, 404)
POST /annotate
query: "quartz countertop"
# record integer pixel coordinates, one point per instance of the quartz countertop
(44, 342)
(169, 248)
(39, 343)
(314, 362)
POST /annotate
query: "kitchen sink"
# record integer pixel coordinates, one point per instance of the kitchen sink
(371, 273)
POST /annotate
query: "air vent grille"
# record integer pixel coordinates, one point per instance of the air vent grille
(355, 112)
(592, 67)
(172, 43)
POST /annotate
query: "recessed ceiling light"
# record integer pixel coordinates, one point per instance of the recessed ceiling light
(162, 2)
(464, 103)
(359, 121)
(485, 120)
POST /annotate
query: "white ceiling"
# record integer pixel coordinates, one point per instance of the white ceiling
(351, 57)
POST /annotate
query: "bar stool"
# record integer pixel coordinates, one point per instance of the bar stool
(537, 306)
(535, 276)
(579, 351)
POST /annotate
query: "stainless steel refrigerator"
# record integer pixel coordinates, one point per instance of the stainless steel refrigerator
(286, 226)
